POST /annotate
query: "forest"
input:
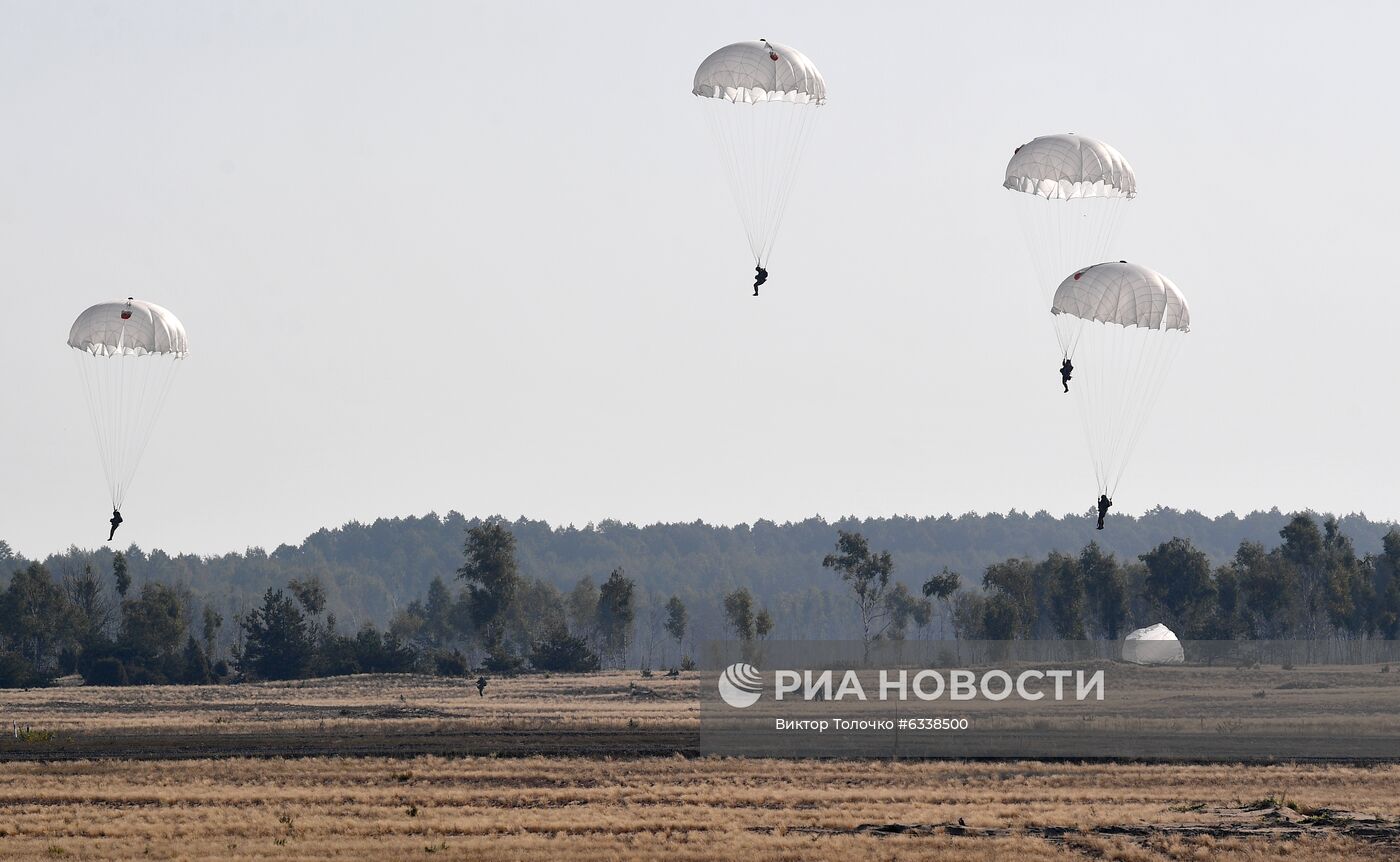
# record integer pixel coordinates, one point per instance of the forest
(456, 596)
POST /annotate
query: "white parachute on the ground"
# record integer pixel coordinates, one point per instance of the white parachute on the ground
(127, 352)
(1071, 190)
(1155, 644)
(760, 99)
(1125, 323)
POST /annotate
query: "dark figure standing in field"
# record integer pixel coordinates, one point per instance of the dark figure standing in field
(481, 686)
(1066, 372)
(115, 521)
(760, 277)
(1104, 504)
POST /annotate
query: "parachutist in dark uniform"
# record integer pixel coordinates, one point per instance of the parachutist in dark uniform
(481, 686)
(1066, 372)
(1104, 504)
(115, 521)
(760, 278)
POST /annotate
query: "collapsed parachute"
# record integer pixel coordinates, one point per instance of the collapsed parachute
(1072, 191)
(1128, 323)
(128, 353)
(1155, 644)
(760, 99)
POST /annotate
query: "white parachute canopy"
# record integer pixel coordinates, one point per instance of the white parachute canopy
(1155, 644)
(760, 99)
(1071, 190)
(1124, 325)
(127, 353)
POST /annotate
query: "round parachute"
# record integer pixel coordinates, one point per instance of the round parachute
(127, 352)
(760, 99)
(760, 71)
(1065, 167)
(1123, 293)
(1125, 325)
(1072, 192)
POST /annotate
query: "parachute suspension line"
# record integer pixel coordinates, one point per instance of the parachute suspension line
(144, 423)
(1063, 237)
(801, 125)
(787, 131)
(770, 125)
(1074, 334)
(1124, 373)
(1088, 396)
(726, 138)
(1107, 228)
(124, 402)
(1041, 247)
(96, 407)
(761, 146)
(1157, 366)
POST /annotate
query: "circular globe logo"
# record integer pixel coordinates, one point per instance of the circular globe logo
(740, 685)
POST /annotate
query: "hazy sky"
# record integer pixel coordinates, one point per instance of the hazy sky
(481, 256)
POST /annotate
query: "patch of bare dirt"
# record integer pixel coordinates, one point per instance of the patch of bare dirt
(1267, 821)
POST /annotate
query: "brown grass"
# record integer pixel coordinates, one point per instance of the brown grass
(608, 700)
(673, 808)
(584, 808)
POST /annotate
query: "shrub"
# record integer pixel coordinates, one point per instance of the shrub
(139, 675)
(561, 651)
(107, 670)
(451, 664)
(16, 672)
(499, 659)
(195, 669)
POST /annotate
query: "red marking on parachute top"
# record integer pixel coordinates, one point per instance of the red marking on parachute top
(773, 55)
(126, 315)
(1076, 275)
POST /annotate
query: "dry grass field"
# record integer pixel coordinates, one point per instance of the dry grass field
(367, 702)
(677, 808)
(127, 773)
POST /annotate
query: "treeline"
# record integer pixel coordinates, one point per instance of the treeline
(103, 629)
(370, 572)
(1312, 584)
